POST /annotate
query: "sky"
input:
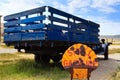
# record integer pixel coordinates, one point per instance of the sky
(104, 12)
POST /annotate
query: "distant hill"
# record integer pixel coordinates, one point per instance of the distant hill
(117, 37)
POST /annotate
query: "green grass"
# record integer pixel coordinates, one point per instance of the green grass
(27, 69)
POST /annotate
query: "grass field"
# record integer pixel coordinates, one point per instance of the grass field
(17, 67)
(13, 67)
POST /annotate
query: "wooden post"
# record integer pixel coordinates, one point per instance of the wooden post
(0, 28)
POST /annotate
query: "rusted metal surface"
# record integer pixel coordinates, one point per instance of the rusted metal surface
(80, 60)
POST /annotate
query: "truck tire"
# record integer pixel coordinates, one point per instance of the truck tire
(19, 50)
(45, 59)
(37, 58)
(42, 59)
(56, 59)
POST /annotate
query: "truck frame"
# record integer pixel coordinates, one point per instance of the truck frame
(47, 32)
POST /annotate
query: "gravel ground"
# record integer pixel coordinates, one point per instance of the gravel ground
(106, 67)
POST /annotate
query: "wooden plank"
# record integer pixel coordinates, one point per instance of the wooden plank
(24, 13)
(34, 27)
(57, 27)
(12, 37)
(29, 20)
(56, 11)
(20, 28)
(31, 36)
(72, 24)
(11, 23)
(24, 21)
(93, 24)
(59, 12)
(95, 34)
(56, 35)
(12, 30)
(78, 38)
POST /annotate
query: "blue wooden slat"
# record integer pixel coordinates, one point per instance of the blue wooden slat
(11, 23)
(93, 29)
(57, 27)
(93, 39)
(92, 32)
(28, 20)
(56, 36)
(78, 38)
(24, 13)
(32, 36)
(95, 34)
(20, 28)
(55, 11)
(24, 36)
(12, 30)
(58, 20)
(93, 24)
(34, 27)
(81, 25)
(74, 25)
(12, 37)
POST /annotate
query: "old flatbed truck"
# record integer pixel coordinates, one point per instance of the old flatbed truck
(47, 32)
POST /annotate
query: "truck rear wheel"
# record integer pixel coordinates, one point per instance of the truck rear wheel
(37, 58)
(45, 59)
(42, 59)
(56, 59)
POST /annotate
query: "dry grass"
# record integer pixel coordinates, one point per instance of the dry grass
(2, 45)
(112, 51)
(21, 66)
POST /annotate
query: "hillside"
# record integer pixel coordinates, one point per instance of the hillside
(116, 37)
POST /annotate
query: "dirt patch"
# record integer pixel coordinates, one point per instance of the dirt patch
(5, 50)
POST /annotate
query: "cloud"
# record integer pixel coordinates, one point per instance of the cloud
(110, 28)
(71, 6)
(13, 6)
(107, 27)
(59, 5)
(74, 5)
(106, 6)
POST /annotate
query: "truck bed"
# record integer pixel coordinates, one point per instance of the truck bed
(47, 24)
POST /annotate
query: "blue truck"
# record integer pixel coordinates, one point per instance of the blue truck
(47, 32)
